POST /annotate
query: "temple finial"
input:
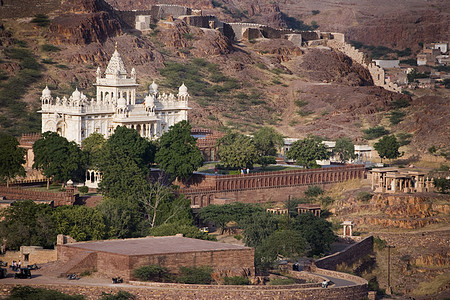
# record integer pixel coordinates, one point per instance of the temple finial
(116, 46)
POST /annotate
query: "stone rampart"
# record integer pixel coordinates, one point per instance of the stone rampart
(265, 186)
(349, 255)
(376, 72)
(168, 291)
(16, 193)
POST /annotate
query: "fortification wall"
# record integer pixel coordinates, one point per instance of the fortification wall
(16, 193)
(376, 72)
(349, 255)
(176, 291)
(265, 186)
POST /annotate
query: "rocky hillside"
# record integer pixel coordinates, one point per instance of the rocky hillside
(233, 85)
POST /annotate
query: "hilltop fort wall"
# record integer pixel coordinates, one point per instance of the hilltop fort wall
(265, 186)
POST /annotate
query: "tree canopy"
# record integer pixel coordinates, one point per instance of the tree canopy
(125, 163)
(92, 146)
(305, 152)
(257, 227)
(267, 140)
(222, 214)
(387, 147)
(316, 231)
(58, 158)
(345, 149)
(11, 158)
(237, 151)
(27, 224)
(178, 154)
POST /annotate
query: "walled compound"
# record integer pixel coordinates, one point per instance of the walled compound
(114, 258)
(203, 189)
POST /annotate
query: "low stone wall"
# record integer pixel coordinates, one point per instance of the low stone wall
(166, 291)
(16, 193)
(349, 255)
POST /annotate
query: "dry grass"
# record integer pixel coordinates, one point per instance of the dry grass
(434, 286)
(337, 190)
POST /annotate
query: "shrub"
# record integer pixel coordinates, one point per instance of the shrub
(442, 184)
(364, 196)
(236, 280)
(314, 191)
(400, 103)
(379, 244)
(121, 295)
(300, 103)
(31, 293)
(152, 273)
(195, 275)
(432, 149)
(50, 48)
(396, 117)
(315, 12)
(404, 138)
(83, 189)
(375, 132)
(281, 281)
(41, 20)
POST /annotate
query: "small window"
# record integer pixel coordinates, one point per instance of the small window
(26, 257)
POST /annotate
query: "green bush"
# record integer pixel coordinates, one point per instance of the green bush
(375, 132)
(396, 117)
(314, 191)
(281, 281)
(400, 103)
(300, 103)
(41, 20)
(50, 48)
(121, 295)
(195, 275)
(315, 12)
(83, 189)
(364, 196)
(31, 293)
(404, 138)
(442, 184)
(379, 244)
(236, 280)
(154, 273)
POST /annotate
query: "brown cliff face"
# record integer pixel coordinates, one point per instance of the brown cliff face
(83, 28)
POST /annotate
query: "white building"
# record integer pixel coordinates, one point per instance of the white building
(76, 117)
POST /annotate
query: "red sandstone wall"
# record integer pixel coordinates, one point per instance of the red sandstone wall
(266, 186)
(15, 193)
(224, 262)
(349, 255)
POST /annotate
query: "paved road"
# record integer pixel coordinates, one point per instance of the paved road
(338, 282)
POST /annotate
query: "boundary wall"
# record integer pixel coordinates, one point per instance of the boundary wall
(349, 255)
(15, 193)
(376, 72)
(264, 186)
(170, 291)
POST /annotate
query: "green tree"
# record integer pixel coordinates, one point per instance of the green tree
(160, 206)
(282, 243)
(237, 151)
(195, 275)
(92, 146)
(316, 231)
(264, 161)
(442, 184)
(25, 223)
(267, 140)
(257, 227)
(178, 154)
(188, 230)
(11, 158)
(387, 147)
(125, 163)
(222, 214)
(345, 149)
(305, 152)
(153, 273)
(122, 216)
(58, 158)
(80, 222)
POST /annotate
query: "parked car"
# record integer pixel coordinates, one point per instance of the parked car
(23, 273)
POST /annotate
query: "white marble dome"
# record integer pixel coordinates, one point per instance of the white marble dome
(153, 88)
(46, 93)
(76, 95)
(183, 90)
